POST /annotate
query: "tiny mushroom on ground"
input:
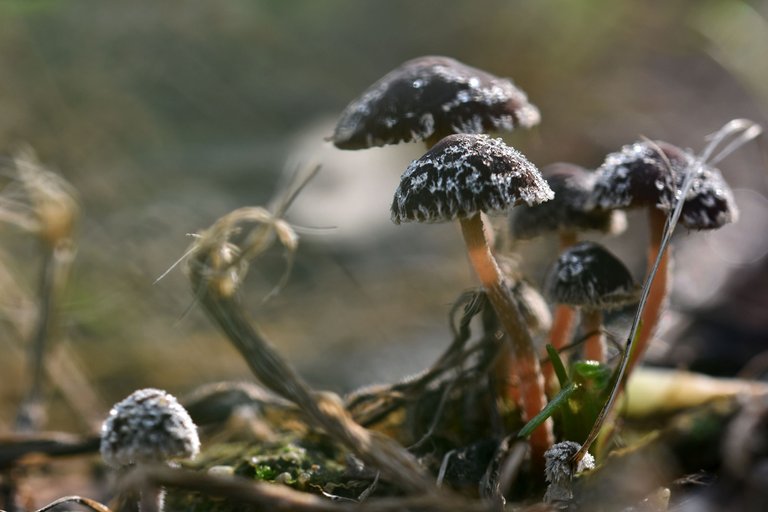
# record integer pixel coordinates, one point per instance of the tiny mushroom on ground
(428, 98)
(567, 215)
(649, 174)
(148, 427)
(560, 471)
(589, 277)
(459, 178)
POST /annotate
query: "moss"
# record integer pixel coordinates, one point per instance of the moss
(310, 463)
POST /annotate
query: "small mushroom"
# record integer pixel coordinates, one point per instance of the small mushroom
(428, 98)
(649, 174)
(560, 471)
(459, 178)
(589, 277)
(148, 427)
(568, 214)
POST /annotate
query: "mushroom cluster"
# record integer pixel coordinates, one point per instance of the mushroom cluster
(466, 175)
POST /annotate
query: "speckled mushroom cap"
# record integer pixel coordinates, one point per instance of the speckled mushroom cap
(587, 275)
(432, 96)
(569, 211)
(638, 176)
(149, 426)
(463, 175)
(709, 203)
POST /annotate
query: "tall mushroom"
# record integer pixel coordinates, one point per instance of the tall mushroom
(649, 174)
(428, 98)
(567, 215)
(588, 276)
(148, 427)
(459, 178)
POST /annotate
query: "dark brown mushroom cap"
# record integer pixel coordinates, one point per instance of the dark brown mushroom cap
(432, 96)
(569, 211)
(589, 276)
(639, 176)
(463, 175)
(709, 203)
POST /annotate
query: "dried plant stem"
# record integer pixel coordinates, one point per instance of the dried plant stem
(79, 500)
(594, 345)
(51, 444)
(281, 497)
(56, 264)
(221, 304)
(525, 361)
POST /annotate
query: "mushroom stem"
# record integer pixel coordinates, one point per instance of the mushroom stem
(562, 321)
(658, 292)
(152, 498)
(594, 346)
(525, 363)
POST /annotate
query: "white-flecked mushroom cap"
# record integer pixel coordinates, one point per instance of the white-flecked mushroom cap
(432, 96)
(466, 174)
(589, 276)
(149, 426)
(638, 175)
(569, 211)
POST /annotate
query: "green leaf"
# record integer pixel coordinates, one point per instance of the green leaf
(558, 400)
(557, 365)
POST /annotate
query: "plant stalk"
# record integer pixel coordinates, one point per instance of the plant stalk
(223, 307)
(56, 265)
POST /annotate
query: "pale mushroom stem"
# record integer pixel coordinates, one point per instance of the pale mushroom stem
(658, 292)
(594, 345)
(525, 362)
(152, 499)
(562, 321)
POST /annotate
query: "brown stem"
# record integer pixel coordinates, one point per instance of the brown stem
(658, 292)
(525, 360)
(562, 321)
(594, 346)
(559, 335)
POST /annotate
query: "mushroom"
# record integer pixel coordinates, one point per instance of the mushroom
(560, 471)
(649, 174)
(428, 98)
(567, 214)
(460, 177)
(148, 427)
(588, 276)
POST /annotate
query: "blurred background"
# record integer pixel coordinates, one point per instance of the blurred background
(165, 116)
